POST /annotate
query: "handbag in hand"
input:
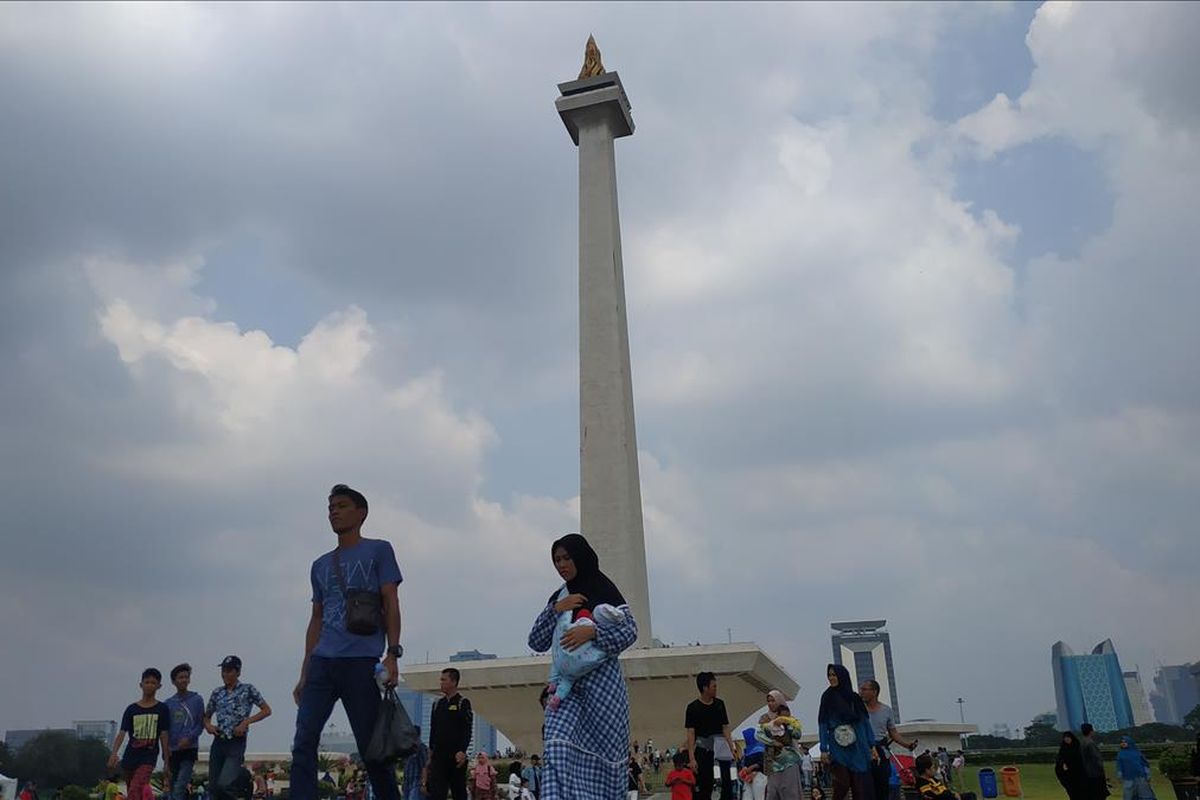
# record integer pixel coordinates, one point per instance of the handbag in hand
(364, 608)
(394, 736)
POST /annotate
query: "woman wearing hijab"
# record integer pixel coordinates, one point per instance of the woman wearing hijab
(586, 739)
(1068, 767)
(847, 741)
(780, 733)
(483, 778)
(1134, 771)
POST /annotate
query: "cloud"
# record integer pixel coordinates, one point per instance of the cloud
(854, 398)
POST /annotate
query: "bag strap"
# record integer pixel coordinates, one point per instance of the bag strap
(337, 571)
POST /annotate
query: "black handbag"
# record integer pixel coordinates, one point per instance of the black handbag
(364, 608)
(394, 736)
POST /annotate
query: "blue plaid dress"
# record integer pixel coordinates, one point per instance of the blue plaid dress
(585, 754)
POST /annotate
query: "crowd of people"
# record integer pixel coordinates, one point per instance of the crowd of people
(586, 755)
(1080, 769)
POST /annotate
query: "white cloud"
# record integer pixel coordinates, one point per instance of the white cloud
(851, 399)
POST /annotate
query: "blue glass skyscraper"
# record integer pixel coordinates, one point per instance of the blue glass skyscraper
(1090, 688)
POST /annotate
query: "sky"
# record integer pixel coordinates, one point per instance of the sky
(911, 296)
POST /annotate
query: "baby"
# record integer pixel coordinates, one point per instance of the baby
(568, 666)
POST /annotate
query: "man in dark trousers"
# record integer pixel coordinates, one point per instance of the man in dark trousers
(1095, 780)
(705, 720)
(449, 737)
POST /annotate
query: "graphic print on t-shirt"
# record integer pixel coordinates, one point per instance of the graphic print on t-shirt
(145, 728)
(357, 575)
(366, 565)
(144, 725)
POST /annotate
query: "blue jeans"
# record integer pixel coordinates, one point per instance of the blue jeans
(224, 765)
(351, 680)
(182, 764)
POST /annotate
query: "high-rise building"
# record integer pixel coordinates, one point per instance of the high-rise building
(865, 650)
(104, 730)
(1090, 688)
(1175, 693)
(1137, 698)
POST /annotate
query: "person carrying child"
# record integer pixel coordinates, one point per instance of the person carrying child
(567, 666)
(780, 732)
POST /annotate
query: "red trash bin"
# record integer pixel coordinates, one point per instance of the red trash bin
(1010, 777)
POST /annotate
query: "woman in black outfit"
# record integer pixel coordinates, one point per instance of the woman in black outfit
(1068, 767)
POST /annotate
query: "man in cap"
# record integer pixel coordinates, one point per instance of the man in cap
(228, 717)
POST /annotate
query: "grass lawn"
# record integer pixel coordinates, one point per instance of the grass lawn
(1038, 782)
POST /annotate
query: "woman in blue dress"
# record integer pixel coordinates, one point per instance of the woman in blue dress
(847, 739)
(586, 739)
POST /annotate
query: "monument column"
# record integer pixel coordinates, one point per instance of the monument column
(596, 111)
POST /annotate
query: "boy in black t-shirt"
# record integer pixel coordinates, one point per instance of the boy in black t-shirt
(146, 722)
(705, 720)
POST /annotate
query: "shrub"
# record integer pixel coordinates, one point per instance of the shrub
(1176, 762)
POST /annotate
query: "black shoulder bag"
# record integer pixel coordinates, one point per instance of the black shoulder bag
(364, 608)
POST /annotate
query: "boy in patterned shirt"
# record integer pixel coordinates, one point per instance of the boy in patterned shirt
(230, 706)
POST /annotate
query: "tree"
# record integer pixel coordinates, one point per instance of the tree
(1041, 734)
(1192, 720)
(57, 758)
(6, 759)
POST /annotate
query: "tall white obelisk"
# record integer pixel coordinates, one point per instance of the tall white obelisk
(661, 680)
(596, 111)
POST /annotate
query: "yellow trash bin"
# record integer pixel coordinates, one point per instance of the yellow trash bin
(1010, 777)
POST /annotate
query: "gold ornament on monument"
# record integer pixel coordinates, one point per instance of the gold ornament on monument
(592, 66)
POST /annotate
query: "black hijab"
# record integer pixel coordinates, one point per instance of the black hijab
(841, 703)
(589, 581)
(1068, 767)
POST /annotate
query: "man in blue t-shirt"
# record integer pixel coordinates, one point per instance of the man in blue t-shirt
(187, 723)
(340, 664)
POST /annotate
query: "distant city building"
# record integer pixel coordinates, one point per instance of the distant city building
(1175, 693)
(16, 739)
(1090, 688)
(865, 650)
(1046, 718)
(102, 730)
(1137, 698)
(1002, 730)
(471, 655)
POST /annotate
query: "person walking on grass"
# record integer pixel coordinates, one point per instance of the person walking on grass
(1068, 767)
(1095, 779)
(1134, 771)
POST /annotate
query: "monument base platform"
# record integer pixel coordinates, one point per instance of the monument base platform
(661, 680)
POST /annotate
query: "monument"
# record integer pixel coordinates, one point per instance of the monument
(596, 111)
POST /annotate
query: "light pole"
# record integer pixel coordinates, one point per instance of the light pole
(962, 737)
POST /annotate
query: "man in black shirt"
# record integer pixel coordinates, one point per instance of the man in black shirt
(705, 720)
(449, 738)
(636, 783)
